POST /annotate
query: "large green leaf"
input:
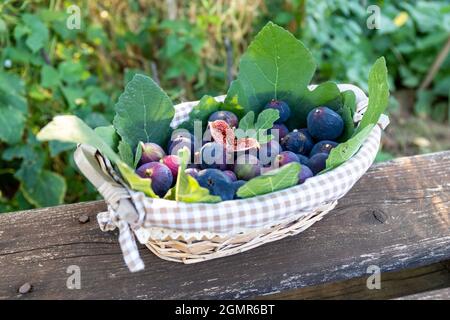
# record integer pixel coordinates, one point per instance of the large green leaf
(136, 182)
(275, 66)
(143, 112)
(38, 32)
(344, 151)
(56, 147)
(278, 66)
(346, 112)
(11, 83)
(49, 77)
(257, 130)
(378, 94)
(125, 153)
(33, 160)
(266, 119)
(187, 189)
(109, 135)
(274, 180)
(325, 94)
(73, 129)
(248, 121)
(12, 123)
(48, 191)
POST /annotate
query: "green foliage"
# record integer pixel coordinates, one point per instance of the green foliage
(49, 190)
(143, 113)
(344, 151)
(273, 180)
(126, 153)
(136, 182)
(187, 188)
(258, 130)
(72, 129)
(109, 135)
(378, 101)
(269, 69)
(378, 94)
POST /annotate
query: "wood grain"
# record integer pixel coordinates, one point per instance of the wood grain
(397, 216)
(442, 294)
(394, 284)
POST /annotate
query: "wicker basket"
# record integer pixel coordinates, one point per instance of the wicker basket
(191, 233)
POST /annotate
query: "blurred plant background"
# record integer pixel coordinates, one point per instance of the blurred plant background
(192, 48)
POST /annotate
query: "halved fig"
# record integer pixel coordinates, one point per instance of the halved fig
(243, 144)
(222, 133)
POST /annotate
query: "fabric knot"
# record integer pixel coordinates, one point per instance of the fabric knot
(112, 219)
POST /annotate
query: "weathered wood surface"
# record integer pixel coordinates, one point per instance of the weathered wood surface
(442, 294)
(394, 284)
(397, 216)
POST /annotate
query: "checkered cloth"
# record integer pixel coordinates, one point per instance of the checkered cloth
(235, 216)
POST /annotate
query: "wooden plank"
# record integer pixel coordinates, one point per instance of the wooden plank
(396, 217)
(393, 285)
(442, 294)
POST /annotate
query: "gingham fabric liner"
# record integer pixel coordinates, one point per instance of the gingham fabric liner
(230, 217)
(235, 216)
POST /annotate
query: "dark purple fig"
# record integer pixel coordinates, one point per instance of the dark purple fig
(236, 185)
(297, 141)
(282, 107)
(217, 183)
(159, 174)
(324, 146)
(284, 158)
(305, 173)
(227, 116)
(151, 152)
(318, 162)
(230, 174)
(179, 143)
(302, 159)
(324, 124)
(282, 130)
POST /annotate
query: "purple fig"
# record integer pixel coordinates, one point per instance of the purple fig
(305, 173)
(230, 174)
(159, 174)
(247, 167)
(173, 163)
(284, 158)
(151, 152)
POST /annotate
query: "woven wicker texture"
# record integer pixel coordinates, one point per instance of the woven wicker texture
(193, 251)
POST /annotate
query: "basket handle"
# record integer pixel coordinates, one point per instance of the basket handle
(121, 211)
